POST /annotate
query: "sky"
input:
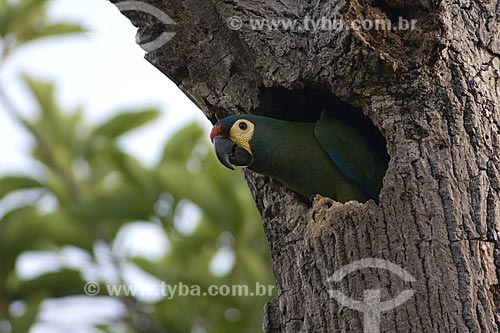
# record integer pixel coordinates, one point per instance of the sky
(100, 71)
(103, 71)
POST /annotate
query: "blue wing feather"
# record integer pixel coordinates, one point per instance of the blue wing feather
(344, 168)
(351, 155)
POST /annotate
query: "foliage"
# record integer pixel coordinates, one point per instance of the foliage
(97, 189)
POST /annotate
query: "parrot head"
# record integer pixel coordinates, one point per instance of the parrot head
(231, 137)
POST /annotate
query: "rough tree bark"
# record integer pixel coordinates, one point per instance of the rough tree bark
(434, 94)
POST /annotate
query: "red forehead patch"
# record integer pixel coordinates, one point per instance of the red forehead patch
(216, 131)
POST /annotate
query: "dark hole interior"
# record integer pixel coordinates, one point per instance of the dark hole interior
(306, 105)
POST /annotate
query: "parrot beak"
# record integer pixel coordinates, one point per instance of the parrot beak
(229, 153)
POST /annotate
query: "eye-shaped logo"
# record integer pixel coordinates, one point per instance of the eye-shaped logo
(371, 305)
(161, 16)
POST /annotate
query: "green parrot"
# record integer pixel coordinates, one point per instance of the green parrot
(326, 157)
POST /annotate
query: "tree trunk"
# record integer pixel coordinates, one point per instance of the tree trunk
(434, 94)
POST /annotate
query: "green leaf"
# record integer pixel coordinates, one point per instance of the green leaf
(16, 183)
(19, 231)
(17, 16)
(108, 212)
(44, 94)
(54, 284)
(57, 133)
(26, 20)
(180, 146)
(62, 231)
(201, 190)
(104, 328)
(50, 125)
(134, 172)
(125, 122)
(23, 323)
(50, 30)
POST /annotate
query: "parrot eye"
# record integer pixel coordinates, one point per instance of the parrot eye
(243, 126)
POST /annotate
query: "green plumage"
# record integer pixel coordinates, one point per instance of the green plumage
(326, 157)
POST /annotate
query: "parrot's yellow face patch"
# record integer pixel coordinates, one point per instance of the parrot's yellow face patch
(241, 133)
